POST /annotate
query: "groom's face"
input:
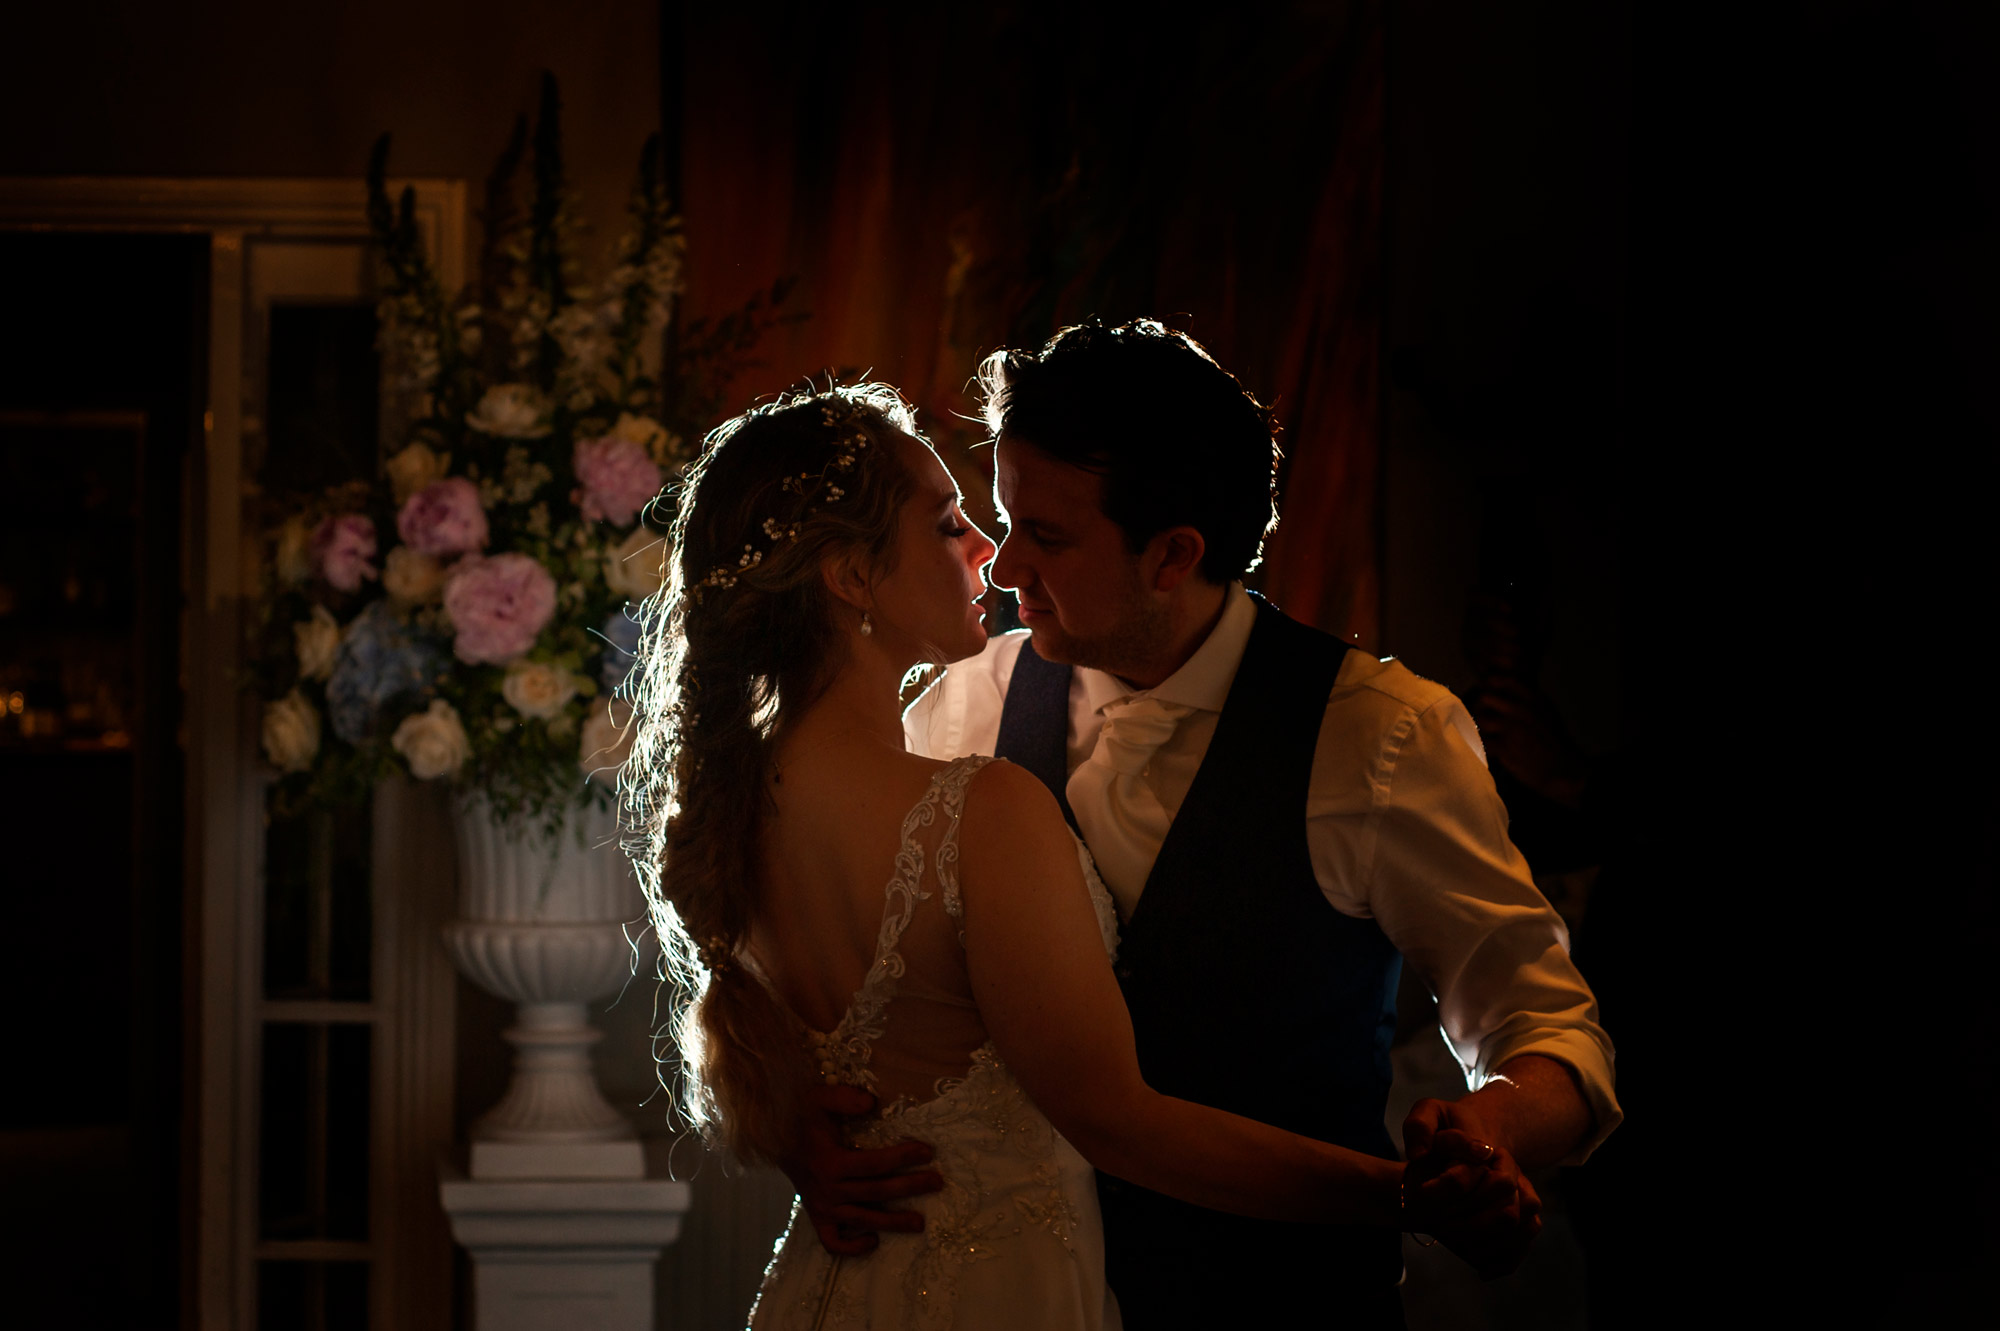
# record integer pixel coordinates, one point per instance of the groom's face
(1078, 580)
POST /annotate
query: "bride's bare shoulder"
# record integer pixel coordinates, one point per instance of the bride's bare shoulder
(1008, 810)
(1006, 786)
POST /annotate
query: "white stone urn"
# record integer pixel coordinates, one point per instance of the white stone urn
(543, 924)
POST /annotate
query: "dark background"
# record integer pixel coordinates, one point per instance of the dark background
(1810, 285)
(91, 1120)
(1679, 315)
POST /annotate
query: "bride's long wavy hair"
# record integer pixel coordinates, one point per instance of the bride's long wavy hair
(742, 637)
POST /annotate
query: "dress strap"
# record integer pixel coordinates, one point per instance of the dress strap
(951, 785)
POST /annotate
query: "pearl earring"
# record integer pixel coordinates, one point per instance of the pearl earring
(867, 626)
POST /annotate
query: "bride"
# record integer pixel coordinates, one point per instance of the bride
(840, 912)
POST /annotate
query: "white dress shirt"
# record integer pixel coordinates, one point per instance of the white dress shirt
(1402, 823)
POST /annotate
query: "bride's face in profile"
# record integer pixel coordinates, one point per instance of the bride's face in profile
(931, 596)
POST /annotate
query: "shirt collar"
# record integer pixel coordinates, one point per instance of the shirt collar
(1203, 680)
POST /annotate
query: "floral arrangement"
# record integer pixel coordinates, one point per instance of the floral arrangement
(463, 616)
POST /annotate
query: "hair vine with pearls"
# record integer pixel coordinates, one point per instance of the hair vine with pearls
(813, 488)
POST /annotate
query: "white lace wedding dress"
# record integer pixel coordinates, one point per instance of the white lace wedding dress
(1014, 1240)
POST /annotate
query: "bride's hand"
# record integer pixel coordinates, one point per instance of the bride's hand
(1474, 1198)
(840, 1188)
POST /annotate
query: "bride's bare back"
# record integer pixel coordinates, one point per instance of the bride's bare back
(826, 862)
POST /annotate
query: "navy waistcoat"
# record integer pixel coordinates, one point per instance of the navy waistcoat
(1248, 990)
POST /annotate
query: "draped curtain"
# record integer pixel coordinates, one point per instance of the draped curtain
(945, 182)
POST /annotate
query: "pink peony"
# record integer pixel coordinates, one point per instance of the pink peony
(341, 548)
(443, 518)
(498, 606)
(617, 479)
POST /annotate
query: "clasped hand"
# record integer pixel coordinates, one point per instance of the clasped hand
(1466, 1189)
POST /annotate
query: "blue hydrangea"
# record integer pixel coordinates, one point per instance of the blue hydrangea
(621, 638)
(381, 660)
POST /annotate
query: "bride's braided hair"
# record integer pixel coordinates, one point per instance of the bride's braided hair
(742, 637)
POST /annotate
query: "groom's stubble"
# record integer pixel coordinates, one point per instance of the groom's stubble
(1139, 633)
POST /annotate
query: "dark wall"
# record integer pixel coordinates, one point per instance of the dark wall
(232, 88)
(1506, 217)
(1842, 207)
(1691, 320)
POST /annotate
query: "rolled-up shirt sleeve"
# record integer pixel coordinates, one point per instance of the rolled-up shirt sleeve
(1417, 840)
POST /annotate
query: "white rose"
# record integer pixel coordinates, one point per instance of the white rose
(537, 689)
(294, 557)
(607, 735)
(412, 578)
(433, 742)
(414, 468)
(317, 641)
(291, 733)
(637, 565)
(511, 411)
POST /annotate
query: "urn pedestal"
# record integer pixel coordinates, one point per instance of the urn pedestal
(542, 923)
(563, 1225)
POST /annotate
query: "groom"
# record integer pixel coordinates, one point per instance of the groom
(1280, 819)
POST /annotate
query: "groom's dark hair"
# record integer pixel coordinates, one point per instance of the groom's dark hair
(1177, 439)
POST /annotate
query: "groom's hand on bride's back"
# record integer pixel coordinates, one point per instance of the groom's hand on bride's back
(842, 1189)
